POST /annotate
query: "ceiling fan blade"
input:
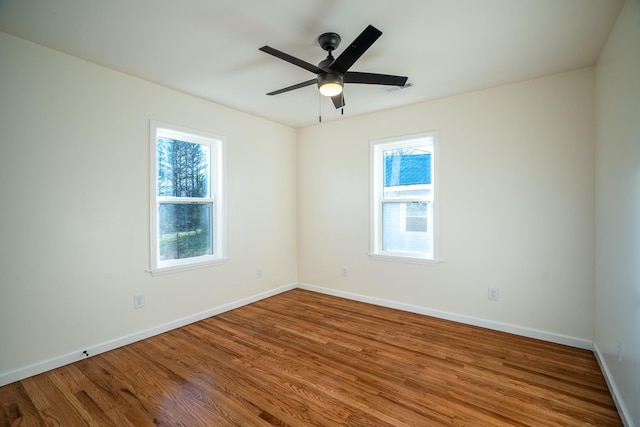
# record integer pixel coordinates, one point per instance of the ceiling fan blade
(355, 50)
(374, 79)
(338, 100)
(291, 59)
(297, 86)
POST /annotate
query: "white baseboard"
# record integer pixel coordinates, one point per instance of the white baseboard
(615, 393)
(497, 326)
(56, 362)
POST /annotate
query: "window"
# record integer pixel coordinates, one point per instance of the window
(187, 200)
(403, 200)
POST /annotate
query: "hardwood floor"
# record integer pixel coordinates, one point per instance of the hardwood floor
(302, 358)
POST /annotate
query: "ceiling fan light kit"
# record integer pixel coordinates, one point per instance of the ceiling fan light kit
(330, 84)
(332, 73)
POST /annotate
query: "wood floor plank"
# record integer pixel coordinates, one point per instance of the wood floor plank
(16, 407)
(307, 359)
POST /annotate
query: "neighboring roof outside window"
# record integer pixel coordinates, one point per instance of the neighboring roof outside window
(407, 169)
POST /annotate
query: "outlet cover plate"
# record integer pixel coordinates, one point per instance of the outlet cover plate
(138, 301)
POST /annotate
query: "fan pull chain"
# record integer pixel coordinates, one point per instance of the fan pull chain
(319, 108)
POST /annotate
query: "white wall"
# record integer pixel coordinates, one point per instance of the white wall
(617, 301)
(516, 206)
(74, 210)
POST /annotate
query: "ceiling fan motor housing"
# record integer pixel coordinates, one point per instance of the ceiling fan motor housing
(325, 63)
(329, 41)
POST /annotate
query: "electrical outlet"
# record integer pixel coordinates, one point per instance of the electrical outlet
(493, 294)
(259, 273)
(138, 301)
(345, 271)
(619, 350)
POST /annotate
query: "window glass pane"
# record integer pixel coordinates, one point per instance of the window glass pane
(407, 166)
(183, 168)
(407, 172)
(185, 230)
(397, 234)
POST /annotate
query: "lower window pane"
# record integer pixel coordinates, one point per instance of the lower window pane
(404, 228)
(185, 230)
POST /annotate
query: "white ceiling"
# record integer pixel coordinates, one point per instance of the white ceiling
(209, 48)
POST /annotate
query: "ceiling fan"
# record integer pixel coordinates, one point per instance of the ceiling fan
(332, 73)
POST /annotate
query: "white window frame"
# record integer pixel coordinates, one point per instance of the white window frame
(377, 147)
(216, 198)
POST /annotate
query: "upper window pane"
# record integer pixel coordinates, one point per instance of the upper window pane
(407, 166)
(407, 172)
(183, 168)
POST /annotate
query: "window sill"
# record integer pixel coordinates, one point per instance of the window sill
(159, 271)
(405, 258)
